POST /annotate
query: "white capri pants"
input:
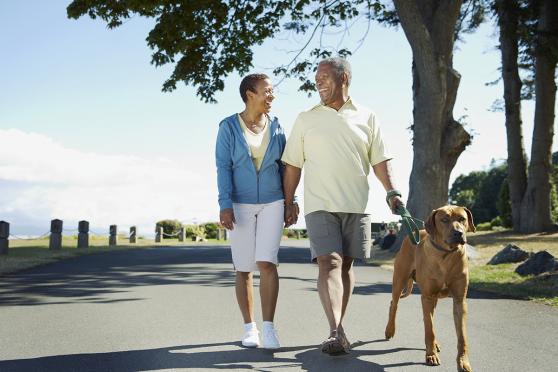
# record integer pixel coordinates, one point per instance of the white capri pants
(256, 234)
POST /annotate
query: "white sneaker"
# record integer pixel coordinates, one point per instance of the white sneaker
(251, 338)
(270, 339)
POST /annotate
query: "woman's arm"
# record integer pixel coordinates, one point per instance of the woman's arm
(223, 161)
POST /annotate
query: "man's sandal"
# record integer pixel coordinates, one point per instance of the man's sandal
(335, 345)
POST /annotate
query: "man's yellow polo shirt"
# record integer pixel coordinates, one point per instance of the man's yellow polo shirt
(336, 149)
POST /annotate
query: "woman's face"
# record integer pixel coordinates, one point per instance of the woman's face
(262, 98)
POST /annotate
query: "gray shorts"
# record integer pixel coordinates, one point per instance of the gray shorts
(348, 234)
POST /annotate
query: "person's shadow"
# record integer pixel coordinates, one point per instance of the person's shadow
(202, 356)
(314, 360)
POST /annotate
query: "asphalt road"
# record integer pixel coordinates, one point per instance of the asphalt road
(174, 309)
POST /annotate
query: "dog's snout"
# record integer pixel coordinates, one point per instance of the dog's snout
(457, 233)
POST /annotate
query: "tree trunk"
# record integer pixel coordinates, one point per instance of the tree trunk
(438, 139)
(535, 208)
(508, 19)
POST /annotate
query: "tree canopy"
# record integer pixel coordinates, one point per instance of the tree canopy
(208, 40)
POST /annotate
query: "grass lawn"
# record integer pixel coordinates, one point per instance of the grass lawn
(502, 279)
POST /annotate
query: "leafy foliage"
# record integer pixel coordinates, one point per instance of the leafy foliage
(486, 194)
(211, 229)
(170, 227)
(207, 40)
(479, 191)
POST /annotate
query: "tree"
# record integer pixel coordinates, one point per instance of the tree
(536, 203)
(438, 139)
(532, 28)
(210, 39)
(508, 21)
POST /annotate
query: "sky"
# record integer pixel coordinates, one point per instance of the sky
(86, 133)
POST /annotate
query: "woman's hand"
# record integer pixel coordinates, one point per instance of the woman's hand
(291, 214)
(226, 217)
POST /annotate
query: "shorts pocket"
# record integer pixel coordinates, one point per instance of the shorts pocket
(317, 225)
(366, 235)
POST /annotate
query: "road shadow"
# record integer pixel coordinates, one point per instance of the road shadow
(307, 358)
(95, 278)
(92, 278)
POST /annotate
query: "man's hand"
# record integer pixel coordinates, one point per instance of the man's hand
(394, 202)
(226, 217)
(291, 214)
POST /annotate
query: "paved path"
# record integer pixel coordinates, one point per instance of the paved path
(174, 309)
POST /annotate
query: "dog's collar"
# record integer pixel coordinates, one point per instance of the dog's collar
(440, 248)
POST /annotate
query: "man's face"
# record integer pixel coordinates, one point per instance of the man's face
(329, 85)
(263, 96)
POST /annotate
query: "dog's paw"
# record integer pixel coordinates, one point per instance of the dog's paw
(433, 359)
(463, 365)
(390, 331)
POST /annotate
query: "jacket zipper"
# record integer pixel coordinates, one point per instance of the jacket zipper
(271, 137)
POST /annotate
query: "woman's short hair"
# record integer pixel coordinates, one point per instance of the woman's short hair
(340, 65)
(249, 84)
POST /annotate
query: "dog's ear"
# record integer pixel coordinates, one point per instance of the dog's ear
(430, 223)
(470, 222)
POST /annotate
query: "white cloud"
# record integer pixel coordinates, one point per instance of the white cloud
(54, 181)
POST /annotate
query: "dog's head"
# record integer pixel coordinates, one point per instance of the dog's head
(449, 224)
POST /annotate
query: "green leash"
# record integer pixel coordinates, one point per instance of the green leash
(413, 231)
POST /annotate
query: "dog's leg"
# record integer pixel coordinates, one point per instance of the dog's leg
(397, 287)
(428, 306)
(460, 319)
(402, 268)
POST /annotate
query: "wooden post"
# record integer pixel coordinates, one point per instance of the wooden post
(159, 234)
(55, 241)
(113, 240)
(132, 235)
(4, 237)
(83, 234)
(182, 234)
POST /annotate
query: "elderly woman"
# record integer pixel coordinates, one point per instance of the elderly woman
(248, 152)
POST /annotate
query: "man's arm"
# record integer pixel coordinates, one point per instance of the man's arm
(383, 173)
(291, 178)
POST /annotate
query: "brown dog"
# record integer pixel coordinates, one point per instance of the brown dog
(439, 266)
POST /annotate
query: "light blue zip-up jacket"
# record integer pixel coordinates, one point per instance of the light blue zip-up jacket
(237, 178)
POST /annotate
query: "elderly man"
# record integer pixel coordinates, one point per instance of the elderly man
(336, 142)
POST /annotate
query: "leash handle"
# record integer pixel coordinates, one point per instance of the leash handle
(409, 221)
(413, 231)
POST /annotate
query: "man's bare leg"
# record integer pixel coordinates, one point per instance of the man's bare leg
(348, 277)
(330, 289)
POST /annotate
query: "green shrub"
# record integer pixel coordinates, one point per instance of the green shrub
(211, 229)
(170, 227)
(484, 226)
(496, 221)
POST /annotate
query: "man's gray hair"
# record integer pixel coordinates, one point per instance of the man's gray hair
(340, 65)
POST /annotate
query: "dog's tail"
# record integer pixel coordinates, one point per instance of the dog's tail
(409, 288)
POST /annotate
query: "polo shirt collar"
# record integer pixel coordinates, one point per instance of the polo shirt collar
(349, 104)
